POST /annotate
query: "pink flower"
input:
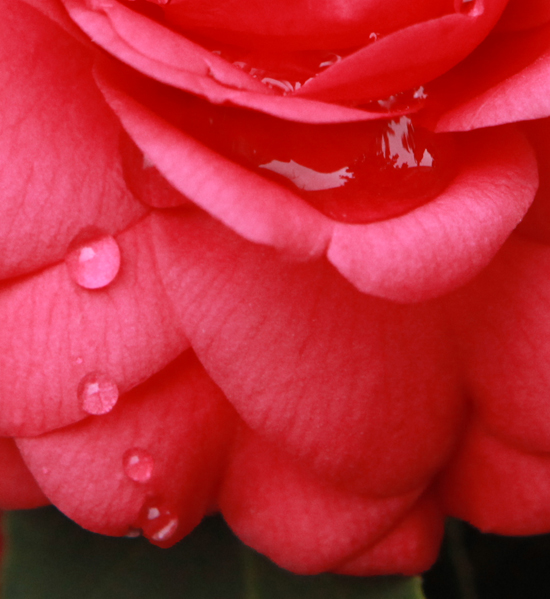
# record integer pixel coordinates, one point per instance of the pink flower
(263, 259)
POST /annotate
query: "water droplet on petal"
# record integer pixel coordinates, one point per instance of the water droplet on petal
(98, 393)
(157, 521)
(138, 464)
(45, 470)
(93, 259)
(166, 531)
(153, 513)
(133, 533)
(467, 7)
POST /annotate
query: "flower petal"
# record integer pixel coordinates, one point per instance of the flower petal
(18, 489)
(178, 420)
(502, 323)
(407, 58)
(170, 58)
(498, 487)
(446, 242)
(59, 161)
(348, 410)
(299, 521)
(256, 208)
(506, 80)
(56, 332)
(411, 547)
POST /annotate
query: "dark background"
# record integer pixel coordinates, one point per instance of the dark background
(482, 566)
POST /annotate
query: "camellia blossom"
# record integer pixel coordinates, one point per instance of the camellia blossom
(286, 261)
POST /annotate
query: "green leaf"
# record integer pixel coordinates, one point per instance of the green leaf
(47, 555)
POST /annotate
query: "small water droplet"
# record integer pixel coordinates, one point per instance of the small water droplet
(93, 259)
(467, 7)
(329, 60)
(373, 36)
(45, 470)
(138, 464)
(133, 533)
(166, 531)
(157, 521)
(98, 393)
(153, 513)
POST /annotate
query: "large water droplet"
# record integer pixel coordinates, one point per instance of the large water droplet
(98, 393)
(138, 464)
(93, 259)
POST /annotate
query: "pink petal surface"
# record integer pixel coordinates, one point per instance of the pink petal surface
(178, 418)
(406, 58)
(299, 521)
(18, 489)
(422, 254)
(506, 80)
(501, 320)
(249, 316)
(170, 58)
(253, 206)
(444, 243)
(56, 332)
(498, 487)
(59, 163)
(411, 547)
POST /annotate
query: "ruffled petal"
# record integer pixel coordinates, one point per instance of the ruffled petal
(298, 520)
(502, 323)
(407, 58)
(446, 242)
(60, 165)
(299, 24)
(411, 547)
(161, 450)
(506, 80)
(56, 332)
(349, 410)
(498, 487)
(170, 58)
(255, 207)
(18, 489)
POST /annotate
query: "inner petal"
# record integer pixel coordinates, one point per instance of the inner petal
(351, 172)
(300, 24)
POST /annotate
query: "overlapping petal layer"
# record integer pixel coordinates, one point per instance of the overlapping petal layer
(308, 377)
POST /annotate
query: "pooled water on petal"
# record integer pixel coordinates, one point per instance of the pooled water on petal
(93, 259)
(97, 393)
(138, 464)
